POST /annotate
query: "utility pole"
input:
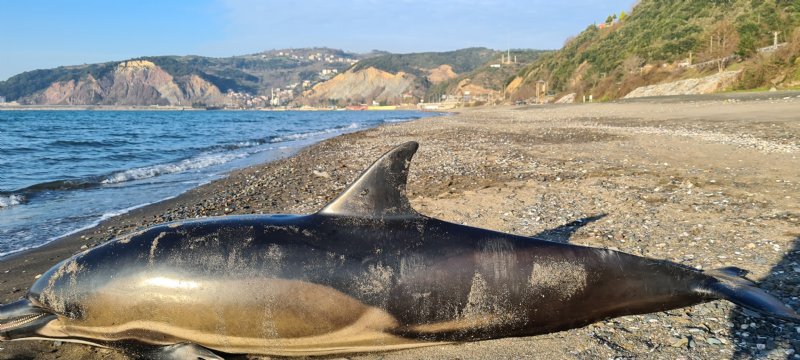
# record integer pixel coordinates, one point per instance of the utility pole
(712, 44)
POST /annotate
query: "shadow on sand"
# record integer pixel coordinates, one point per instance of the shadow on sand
(563, 233)
(757, 336)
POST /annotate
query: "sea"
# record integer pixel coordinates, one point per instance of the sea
(65, 171)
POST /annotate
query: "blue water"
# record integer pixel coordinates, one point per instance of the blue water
(61, 171)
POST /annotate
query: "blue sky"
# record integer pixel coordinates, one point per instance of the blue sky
(37, 34)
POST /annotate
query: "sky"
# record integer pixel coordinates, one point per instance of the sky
(38, 34)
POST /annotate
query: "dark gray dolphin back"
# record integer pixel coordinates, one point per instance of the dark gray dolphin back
(380, 191)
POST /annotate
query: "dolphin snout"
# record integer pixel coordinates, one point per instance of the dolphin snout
(21, 319)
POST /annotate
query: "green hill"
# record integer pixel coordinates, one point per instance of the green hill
(486, 76)
(464, 60)
(645, 47)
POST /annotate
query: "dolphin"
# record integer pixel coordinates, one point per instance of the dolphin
(367, 273)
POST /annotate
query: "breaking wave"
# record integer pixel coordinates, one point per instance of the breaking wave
(11, 200)
(211, 156)
(306, 135)
(196, 163)
(396, 120)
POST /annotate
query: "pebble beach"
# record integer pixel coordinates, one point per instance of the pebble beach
(708, 183)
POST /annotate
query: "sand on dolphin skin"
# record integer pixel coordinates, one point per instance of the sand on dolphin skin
(706, 182)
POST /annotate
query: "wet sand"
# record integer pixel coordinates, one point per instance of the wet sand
(708, 183)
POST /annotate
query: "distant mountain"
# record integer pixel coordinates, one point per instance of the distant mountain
(487, 80)
(409, 78)
(296, 77)
(662, 41)
(240, 81)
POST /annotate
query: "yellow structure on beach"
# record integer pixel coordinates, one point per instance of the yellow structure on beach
(375, 107)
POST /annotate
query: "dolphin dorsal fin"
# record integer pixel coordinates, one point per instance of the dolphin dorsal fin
(380, 191)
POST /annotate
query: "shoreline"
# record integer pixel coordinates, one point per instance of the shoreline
(292, 148)
(747, 95)
(180, 108)
(535, 171)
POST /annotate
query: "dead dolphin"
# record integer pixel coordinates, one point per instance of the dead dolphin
(366, 273)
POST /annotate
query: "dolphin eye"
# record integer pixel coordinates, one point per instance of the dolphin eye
(73, 311)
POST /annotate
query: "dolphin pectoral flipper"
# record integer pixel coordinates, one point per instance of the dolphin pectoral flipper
(182, 351)
(730, 271)
(728, 283)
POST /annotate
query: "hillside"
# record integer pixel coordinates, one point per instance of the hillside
(662, 41)
(488, 79)
(137, 82)
(240, 81)
(408, 78)
(395, 78)
(316, 76)
(418, 64)
(360, 87)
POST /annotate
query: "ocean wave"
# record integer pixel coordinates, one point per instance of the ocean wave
(239, 145)
(306, 135)
(11, 200)
(195, 163)
(397, 120)
(88, 143)
(102, 218)
(210, 156)
(59, 185)
(3, 254)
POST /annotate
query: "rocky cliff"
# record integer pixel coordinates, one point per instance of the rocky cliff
(704, 85)
(362, 86)
(85, 91)
(135, 82)
(243, 81)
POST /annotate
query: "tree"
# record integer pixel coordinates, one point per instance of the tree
(622, 16)
(722, 42)
(748, 37)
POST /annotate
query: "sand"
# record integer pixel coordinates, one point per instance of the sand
(706, 182)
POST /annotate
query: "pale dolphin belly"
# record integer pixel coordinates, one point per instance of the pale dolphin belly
(257, 316)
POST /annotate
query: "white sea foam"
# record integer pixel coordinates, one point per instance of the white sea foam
(102, 218)
(244, 144)
(11, 200)
(309, 134)
(196, 163)
(2, 254)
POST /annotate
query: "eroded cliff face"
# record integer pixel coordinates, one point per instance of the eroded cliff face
(363, 86)
(704, 85)
(85, 91)
(143, 83)
(136, 82)
(195, 89)
(440, 74)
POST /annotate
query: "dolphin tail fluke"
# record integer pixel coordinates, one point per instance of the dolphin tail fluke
(731, 285)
